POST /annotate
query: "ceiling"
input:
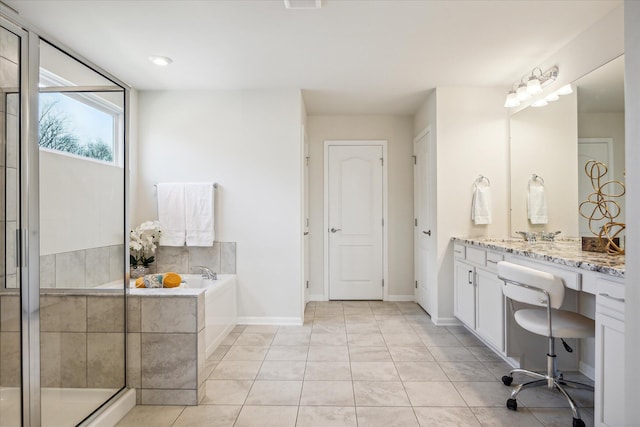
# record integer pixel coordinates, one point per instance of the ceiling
(349, 57)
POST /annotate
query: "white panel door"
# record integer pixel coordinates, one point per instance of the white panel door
(423, 240)
(355, 222)
(306, 216)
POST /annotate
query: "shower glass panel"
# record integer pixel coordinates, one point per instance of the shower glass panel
(10, 295)
(82, 235)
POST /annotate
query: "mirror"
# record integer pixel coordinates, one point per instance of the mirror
(555, 141)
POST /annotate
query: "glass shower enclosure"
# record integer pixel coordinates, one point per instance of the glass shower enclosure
(64, 261)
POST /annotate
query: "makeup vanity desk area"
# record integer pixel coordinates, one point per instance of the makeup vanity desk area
(595, 288)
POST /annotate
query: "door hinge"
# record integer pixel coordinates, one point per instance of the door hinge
(307, 284)
(415, 222)
(415, 160)
(381, 161)
(416, 284)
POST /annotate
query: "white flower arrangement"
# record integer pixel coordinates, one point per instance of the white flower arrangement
(143, 241)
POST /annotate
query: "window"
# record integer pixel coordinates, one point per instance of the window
(74, 121)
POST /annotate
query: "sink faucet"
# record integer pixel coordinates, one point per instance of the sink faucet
(207, 273)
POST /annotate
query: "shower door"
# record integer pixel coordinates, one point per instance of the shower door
(12, 385)
(63, 263)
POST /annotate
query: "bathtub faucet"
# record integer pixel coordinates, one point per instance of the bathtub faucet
(207, 273)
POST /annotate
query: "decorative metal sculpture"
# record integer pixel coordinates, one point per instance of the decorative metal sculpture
(603, 207)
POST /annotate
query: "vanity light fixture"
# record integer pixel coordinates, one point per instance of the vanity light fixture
(565, 90)
(540, 103)
(553, 96)
(512, 99)
(536, 82)
(160, 61)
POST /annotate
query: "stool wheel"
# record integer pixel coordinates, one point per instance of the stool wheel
(513, 405)
(577, 422)
(507, 380)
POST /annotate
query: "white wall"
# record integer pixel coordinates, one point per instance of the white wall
(248, 142)
(81, 203)
(397, 130)
(472, 139)
(632, 157)
(544, 142)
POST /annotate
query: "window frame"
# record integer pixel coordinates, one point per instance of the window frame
(88, 97)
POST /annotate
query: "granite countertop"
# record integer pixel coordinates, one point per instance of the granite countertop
(563, 252)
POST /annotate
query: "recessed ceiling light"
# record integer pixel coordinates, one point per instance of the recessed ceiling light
(303, 4)
(161, 61)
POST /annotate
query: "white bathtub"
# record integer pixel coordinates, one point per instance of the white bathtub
(219, 299)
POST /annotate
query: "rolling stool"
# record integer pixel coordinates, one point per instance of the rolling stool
(546, 292)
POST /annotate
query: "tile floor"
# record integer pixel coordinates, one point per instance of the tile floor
(359, 364)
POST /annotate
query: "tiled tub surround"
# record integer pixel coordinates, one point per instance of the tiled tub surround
(567, 252)
(82, 339)
(220, 258)
(171, 332)
(88, 268)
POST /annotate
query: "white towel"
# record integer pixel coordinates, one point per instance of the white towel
(199, 208)
(481, 204)
(171, 214)
(537, 203)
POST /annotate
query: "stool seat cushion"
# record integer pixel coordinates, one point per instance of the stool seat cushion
(564, 324)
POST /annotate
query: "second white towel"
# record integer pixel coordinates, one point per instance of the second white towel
(199, 209)
(537, 203)
(481, 204)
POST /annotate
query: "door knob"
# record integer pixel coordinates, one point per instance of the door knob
(333, 230)
(428, 233)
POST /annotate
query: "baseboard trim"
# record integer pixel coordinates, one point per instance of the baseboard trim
(280, 321)
(587, 370)
(400, 298)
(317, 297)
(445, 321)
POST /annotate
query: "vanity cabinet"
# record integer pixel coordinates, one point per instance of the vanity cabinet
(610, 376)
(490, 308)
(464, 307)
(593, 288)
(478, 299)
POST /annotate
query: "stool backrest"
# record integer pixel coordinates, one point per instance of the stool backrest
(524, 284)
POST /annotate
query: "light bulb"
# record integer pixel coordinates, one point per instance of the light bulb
(512, 100)
(533, 85)
(552, 97)
(565, 90)
(522, 92)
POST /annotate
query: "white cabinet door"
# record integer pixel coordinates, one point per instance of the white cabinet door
(610, 375)
(464, 301)
(490, 306)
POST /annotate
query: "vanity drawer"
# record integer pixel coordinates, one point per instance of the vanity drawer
(459, 251)
(477, 256)
(571, 279)
(493, 258)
